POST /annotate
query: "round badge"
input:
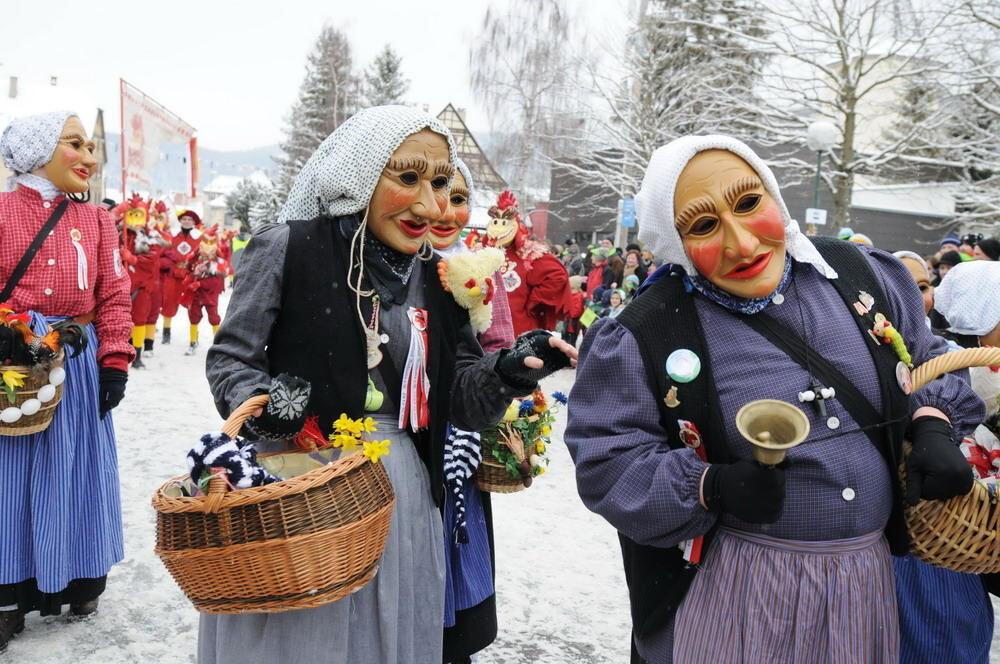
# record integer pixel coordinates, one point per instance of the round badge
(683, 365)
(833, 423)
(778, 299)
(76, 235)
(903, 378)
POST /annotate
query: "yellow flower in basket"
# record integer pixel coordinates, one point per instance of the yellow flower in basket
(375, 449)
(512, 411)
(540, 446)
(13, 379)
(546, 430)
(344, 440)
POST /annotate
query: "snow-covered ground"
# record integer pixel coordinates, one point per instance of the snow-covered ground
(561, 592)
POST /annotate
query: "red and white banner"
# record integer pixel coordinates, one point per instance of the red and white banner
(159, 150)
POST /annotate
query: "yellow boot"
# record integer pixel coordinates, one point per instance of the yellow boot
(138, 336)
(194, 340)
(215, 330)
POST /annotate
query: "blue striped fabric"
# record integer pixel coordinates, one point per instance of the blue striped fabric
(945, 617)
(469, 571)
(59, 491)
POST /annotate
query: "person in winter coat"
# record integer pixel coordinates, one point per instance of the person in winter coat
(349, 276)
(727, 559)
(61, 529)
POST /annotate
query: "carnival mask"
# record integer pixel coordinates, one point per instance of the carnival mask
(445, 231)
(137, 212)
(412, 192)
(504, 220)
(72, 161)
(730, 226)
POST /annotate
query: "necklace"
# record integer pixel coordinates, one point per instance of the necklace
(372, 337)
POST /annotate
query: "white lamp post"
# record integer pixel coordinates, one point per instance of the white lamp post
(821, 136)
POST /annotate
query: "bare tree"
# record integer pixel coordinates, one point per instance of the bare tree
(846, 62)
(522, 68)
(677, 78)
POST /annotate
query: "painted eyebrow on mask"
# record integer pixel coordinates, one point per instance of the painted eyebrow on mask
(418, 164)
(444, 168)
(462, 191)
(741, 186)
(693, 209)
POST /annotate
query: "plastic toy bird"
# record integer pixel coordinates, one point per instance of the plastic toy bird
(469, 279)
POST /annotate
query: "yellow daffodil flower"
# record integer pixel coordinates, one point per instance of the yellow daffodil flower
(369, 424)
(540, 470)
(343, 424)
(345, 440)
(546, 429)
(512, 411)
(540, 447)
(375, 449)
(13, 379)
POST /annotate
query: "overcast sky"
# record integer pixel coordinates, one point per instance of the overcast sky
(232, 69)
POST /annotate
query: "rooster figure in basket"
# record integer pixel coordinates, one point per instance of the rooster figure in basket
(19, 345)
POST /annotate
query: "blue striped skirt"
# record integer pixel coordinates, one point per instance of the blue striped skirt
(59, 493)
(759, 599)
(469, 567)
(945, 617)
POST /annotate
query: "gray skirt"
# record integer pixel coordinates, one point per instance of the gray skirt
(759, 599)
(395, 619)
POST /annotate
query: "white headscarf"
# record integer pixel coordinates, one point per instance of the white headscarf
(28, 143)
(969, 297)
(655, 201)
(345, 168)
(459, 247)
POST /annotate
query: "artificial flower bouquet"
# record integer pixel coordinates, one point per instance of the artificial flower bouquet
(514, 451)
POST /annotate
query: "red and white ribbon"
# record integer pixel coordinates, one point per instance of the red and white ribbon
(81, 263)
(413, 407)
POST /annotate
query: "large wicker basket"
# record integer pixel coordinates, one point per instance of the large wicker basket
(40, 421)
(492, 476)
(295, 544)
(961, 534)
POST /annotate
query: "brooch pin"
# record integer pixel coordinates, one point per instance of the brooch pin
(671, 400)
(690, 435)
(683, 365)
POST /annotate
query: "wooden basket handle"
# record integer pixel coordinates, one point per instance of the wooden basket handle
(242, 413)
(960, 359)
(217, 485)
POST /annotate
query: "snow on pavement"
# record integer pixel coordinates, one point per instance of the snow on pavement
(561, 591)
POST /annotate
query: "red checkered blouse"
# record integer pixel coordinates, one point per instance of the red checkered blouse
(63, 280)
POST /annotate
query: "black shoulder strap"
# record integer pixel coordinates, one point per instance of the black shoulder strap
(663, 319)
(29, 254)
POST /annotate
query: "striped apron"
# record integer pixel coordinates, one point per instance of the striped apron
(759, 599)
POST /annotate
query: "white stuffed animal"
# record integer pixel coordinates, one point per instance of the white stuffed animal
(469, 278)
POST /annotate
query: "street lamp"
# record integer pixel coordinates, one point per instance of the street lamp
(821, 136)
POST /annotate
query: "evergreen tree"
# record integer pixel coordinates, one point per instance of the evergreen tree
(329, 94)
(384, 80)
(252, 202)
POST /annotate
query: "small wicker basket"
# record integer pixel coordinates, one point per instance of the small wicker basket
(36, 380)
(493, 476)
(295, 544)
(963, 533)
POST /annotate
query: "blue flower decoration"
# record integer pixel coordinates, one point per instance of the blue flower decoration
(527, 408)
(560, 398)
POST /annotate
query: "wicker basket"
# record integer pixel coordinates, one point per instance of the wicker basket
(295, 544)
(40, 421)
(492, 476)
(963, 533)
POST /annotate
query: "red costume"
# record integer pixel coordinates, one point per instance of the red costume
(174, 266)
(205, 282)
(536, 282)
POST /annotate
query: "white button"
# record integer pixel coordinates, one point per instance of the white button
(778, 299)
(848, 494)
(46, 204)
(52, 261)
(833, 423)
(48, 291)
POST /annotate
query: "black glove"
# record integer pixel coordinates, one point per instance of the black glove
(936, 469)
(285, 414)
(535, 343)
(111, 388)
(747, 490)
